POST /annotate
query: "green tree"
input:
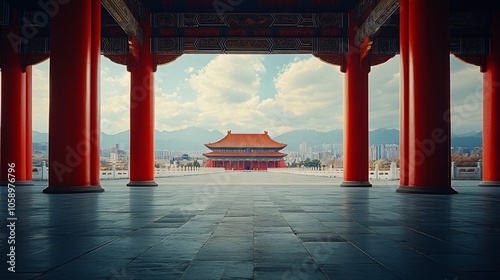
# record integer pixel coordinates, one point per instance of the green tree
(196, 163)
(311, 163)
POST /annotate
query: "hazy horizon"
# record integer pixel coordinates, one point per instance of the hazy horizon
(262, 131)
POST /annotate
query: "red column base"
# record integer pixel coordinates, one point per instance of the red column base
(142, 184)
(425, 190)
(489, 184)
(72, 189)
(363, 184)
(17, 183)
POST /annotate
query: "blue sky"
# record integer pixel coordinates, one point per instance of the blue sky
(253, 93)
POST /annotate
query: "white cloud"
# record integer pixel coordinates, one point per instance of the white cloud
(309, 95)
(172, 113)
(384, 87)
(122, 80)
(40, 93)
(226, 94)
(466, 97)
(115, 112)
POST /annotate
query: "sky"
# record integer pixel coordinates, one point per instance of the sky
(253, 93)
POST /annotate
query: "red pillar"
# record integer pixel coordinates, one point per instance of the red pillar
(142, 114)
(404, 95)
(13, 111)
(491, 108)
(29, 126)
(69, 114)
(95, 116)
(429, 98)
(355, 115)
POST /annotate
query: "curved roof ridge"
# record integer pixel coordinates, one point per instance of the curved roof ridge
(246, 140)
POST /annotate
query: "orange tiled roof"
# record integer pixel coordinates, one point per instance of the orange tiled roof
(242, 140)
(244, 154)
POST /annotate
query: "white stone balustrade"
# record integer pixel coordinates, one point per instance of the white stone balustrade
(457, 173)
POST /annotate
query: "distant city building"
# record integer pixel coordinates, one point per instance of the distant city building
(246, 152)
(383, 151)
(392, 151)
(463, 151)
(303, 148)
(163, 154)
(114, 153)
(377, 152)
(119, 146)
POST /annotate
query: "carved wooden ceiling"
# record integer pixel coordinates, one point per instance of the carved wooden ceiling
(261, 26)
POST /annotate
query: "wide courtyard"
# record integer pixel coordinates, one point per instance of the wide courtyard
(254, 225)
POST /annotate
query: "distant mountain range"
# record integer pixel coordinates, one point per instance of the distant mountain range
(188, 139)
(193, 138)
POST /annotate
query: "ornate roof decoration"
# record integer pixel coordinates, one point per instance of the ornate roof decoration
(242, 140)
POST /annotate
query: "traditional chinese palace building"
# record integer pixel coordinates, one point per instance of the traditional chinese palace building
(246, 152)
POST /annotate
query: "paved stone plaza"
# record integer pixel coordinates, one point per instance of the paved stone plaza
(254, 225)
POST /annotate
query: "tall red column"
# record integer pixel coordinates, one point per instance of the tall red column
(29, 126)
(491, 108)
(356, 166)
(95, 115)
(429, 96)
(69, 114)
(142, 121)
(404, 94)
(13, 111)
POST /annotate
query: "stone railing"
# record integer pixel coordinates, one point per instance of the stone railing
(376, 174)
(42, 173)
(311, 171)
(466, 173)
(457, 173)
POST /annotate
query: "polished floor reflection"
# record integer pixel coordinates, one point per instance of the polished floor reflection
(255, 225)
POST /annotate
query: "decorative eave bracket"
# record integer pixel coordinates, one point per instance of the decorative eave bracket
(377, 18)
(123, 16)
